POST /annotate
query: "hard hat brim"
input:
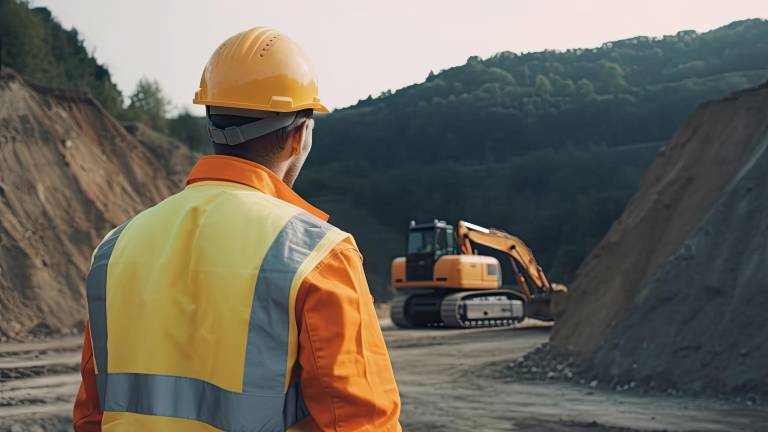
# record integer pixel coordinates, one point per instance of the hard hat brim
(281, 106)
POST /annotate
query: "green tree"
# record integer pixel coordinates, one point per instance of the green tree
(35, 45)
(585, 89)
(543, 86)
(190, 130)
(149, 105)
(612, 77)
(534, 143)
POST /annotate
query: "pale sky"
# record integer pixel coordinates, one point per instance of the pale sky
(362, 47)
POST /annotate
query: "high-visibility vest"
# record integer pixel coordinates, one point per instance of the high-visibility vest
(191, 308)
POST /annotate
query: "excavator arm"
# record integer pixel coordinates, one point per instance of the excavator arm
(521, 256)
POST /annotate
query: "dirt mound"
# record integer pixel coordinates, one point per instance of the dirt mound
(683, 184)
(699, 324)
(674, 297)
(68, 174)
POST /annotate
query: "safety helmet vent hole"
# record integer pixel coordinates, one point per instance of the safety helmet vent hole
(269, 44)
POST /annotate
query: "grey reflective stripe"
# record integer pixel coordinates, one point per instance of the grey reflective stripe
(294, 408)
(193, 399)
(266, 354)
(96, 290)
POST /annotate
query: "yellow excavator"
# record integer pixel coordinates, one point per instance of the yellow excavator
(443, 281)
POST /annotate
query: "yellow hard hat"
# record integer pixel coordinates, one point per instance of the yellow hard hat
(260, 69)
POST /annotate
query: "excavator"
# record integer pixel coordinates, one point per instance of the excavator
(443, 281)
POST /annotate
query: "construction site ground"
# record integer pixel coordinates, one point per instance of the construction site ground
(450, 380)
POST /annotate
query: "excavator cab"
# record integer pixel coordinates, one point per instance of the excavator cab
(426, 244)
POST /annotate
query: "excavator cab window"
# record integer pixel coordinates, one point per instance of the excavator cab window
(445, 242)
(436, 241)
(421, 241)
(440, 243)
(426, 244)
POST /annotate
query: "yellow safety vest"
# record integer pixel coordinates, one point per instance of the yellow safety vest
(191, 308)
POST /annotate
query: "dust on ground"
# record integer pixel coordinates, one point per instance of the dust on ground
(450, 380)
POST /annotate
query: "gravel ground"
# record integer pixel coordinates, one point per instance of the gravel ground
(450, 381)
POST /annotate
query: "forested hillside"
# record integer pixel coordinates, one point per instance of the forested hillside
(36, 46)
(548, 145)
(630, 91)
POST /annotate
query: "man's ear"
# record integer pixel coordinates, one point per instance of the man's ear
(297, 138)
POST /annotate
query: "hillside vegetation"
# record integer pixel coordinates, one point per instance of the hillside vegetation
(35, 45)
(630, 91)
(548, 145)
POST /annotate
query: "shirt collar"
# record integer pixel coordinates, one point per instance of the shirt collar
(241, 171)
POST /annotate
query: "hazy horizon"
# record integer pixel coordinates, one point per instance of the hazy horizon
(361, 49)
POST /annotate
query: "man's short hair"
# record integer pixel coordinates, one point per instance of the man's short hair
(265, 147)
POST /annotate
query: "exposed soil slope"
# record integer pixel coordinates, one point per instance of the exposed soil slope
(699, 324)
(173, 157)
(68, 174)
(687, 179)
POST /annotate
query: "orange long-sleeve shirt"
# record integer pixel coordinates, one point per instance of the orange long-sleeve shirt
(346, 376)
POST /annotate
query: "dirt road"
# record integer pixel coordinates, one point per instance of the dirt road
(453, 381)
(450, 380)
(38, 382)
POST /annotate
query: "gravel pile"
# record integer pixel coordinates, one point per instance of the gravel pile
(675, 297)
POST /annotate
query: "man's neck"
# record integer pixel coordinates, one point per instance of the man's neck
(279, 169)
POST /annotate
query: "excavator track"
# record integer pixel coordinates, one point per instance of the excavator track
(397, 311)
(417, 310)
(493, 308)
(467, 309)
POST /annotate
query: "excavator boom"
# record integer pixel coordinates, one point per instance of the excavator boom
(521, 255)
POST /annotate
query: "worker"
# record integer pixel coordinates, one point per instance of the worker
(234, 305)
